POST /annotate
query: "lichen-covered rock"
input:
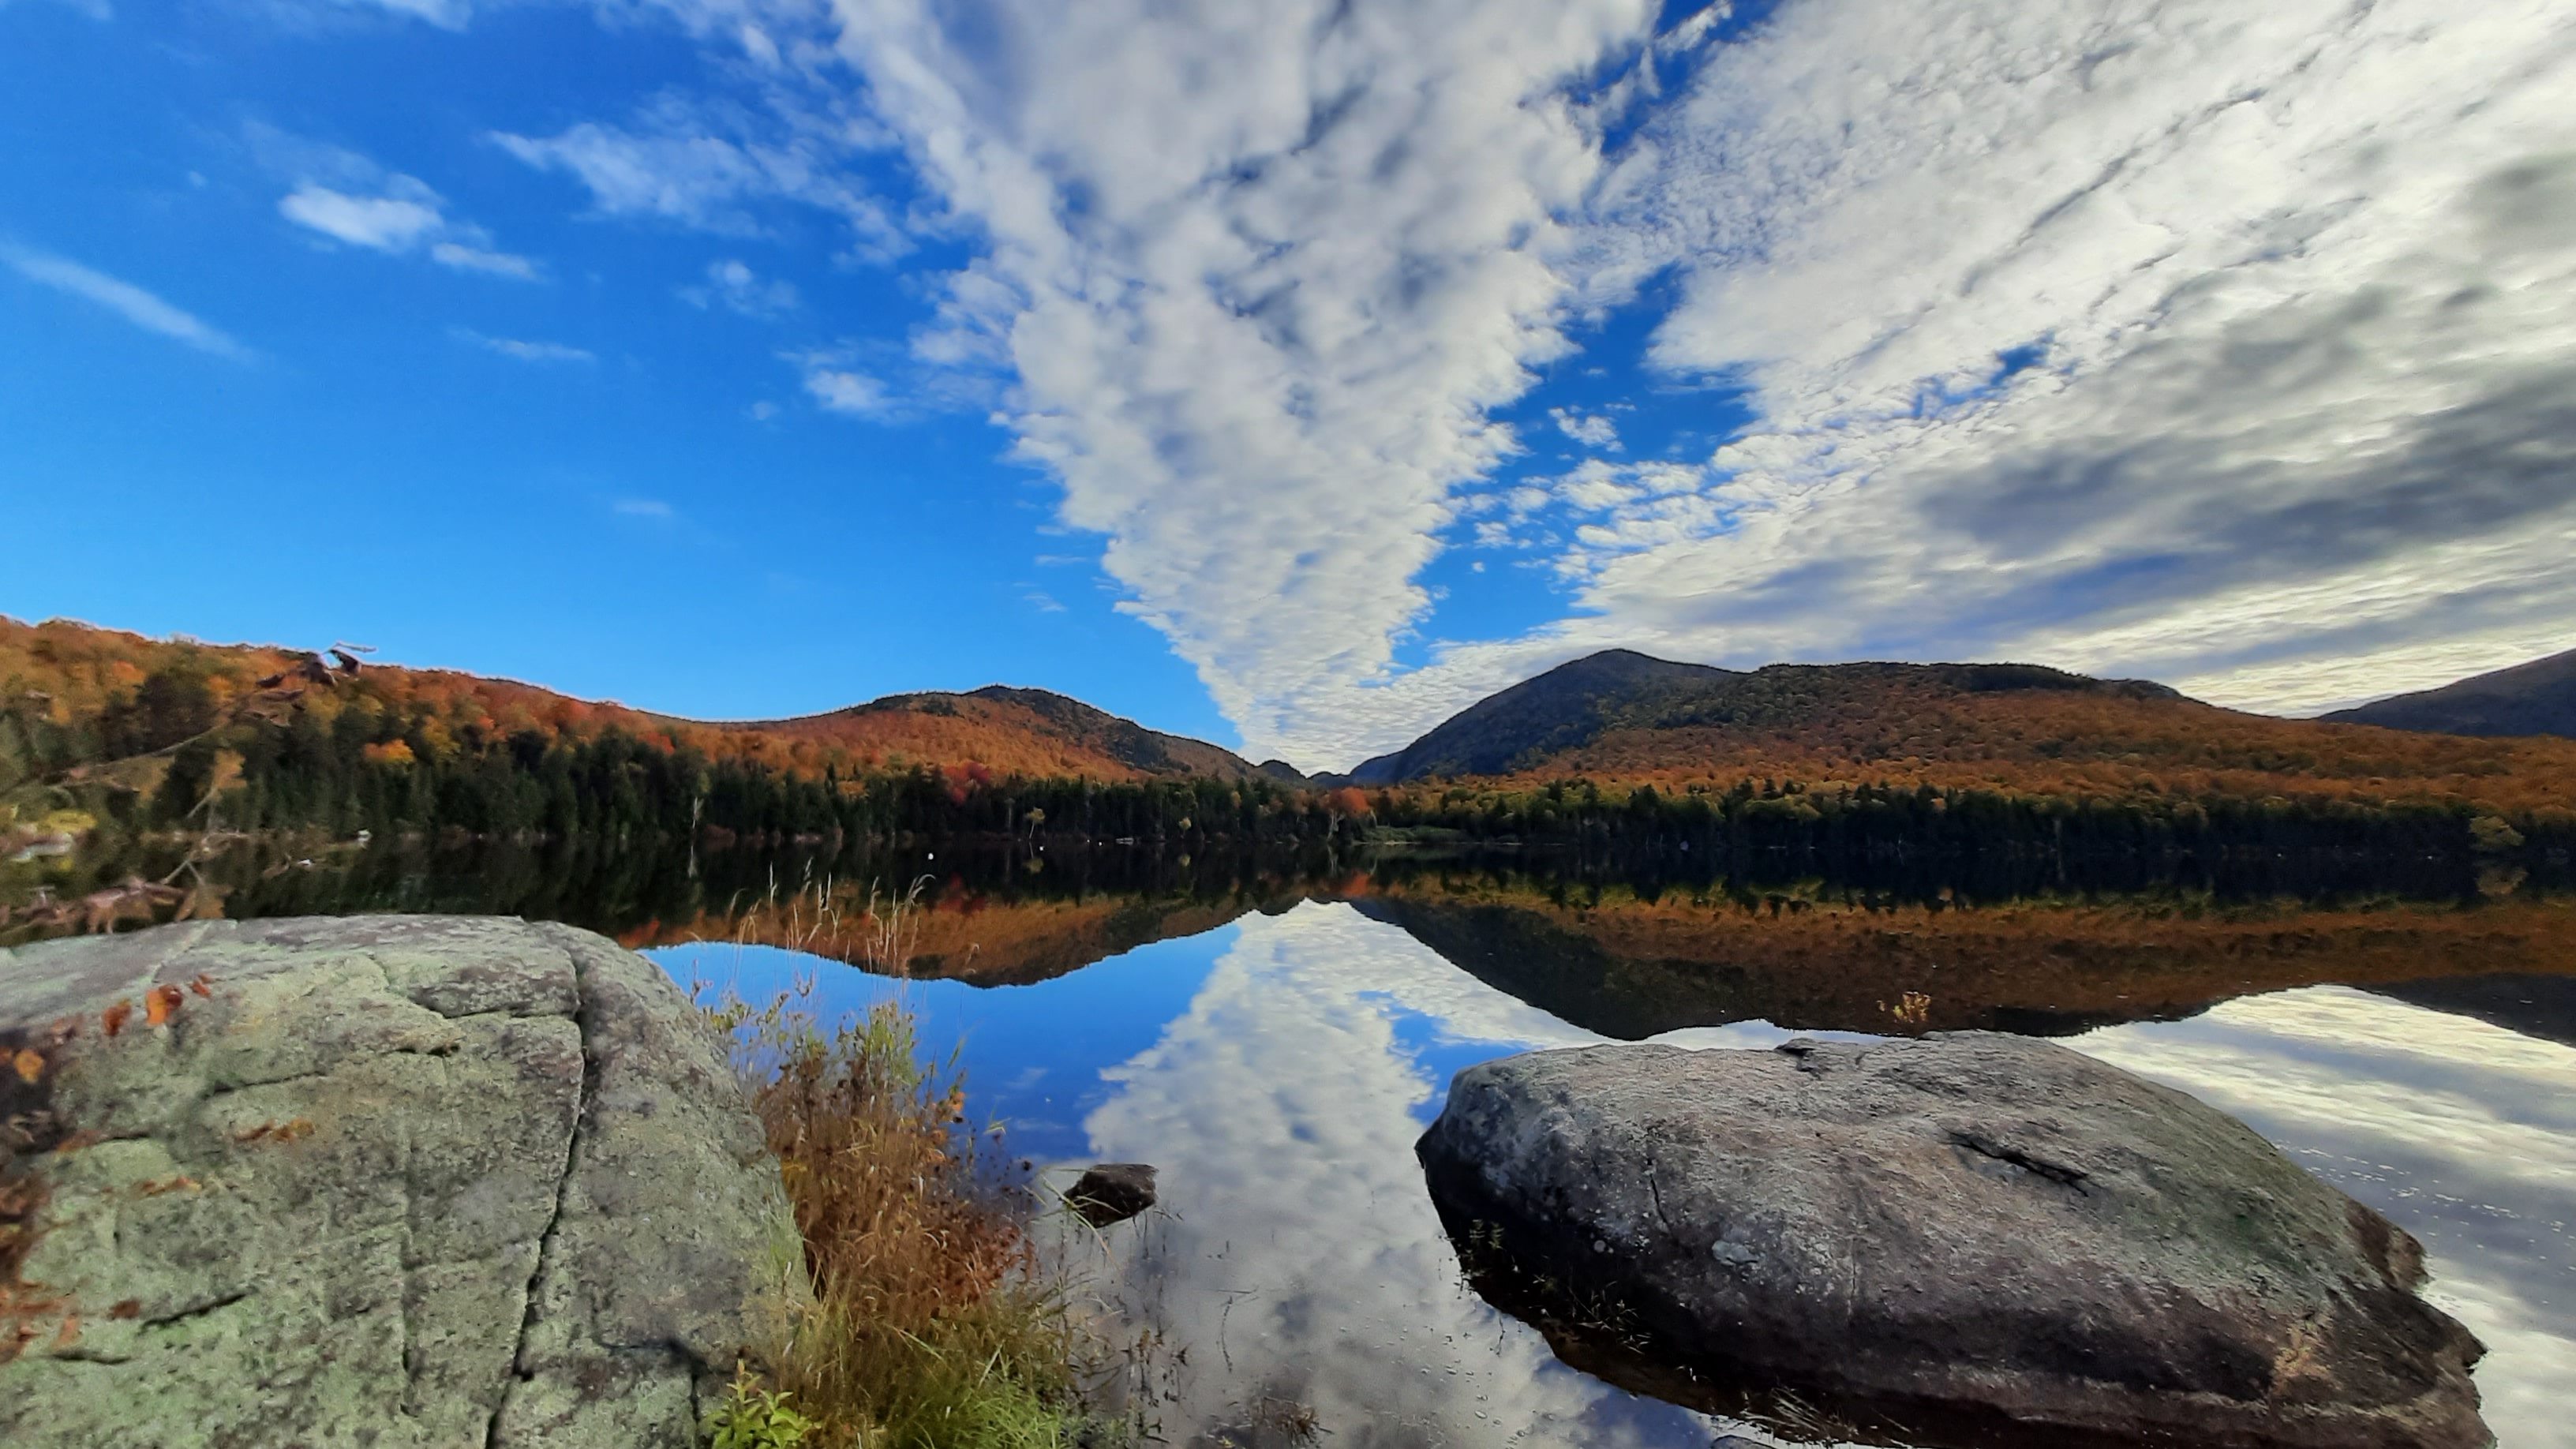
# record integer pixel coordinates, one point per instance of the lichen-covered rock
(1971, 1239)
(373, 1181)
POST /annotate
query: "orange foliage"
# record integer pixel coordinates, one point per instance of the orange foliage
(2072, 743)
(959, 935)
(1806, 962)
(66, 670)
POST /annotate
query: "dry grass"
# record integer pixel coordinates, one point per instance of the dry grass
(934, 1322)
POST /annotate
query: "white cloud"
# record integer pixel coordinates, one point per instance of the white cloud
(843, 391)
(679, 165)
(735, 285)
(386, 223)
(125, 299)
(527, 351)
(478, 259)
(1257, 274)
(2230, 345)
(2293, 288)
(2302, 279)
(652, 508)
(1595, 431)
(348, 198)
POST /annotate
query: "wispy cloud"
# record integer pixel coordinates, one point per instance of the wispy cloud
(733, 284)
(1256, 273)
(2228, 346)
(342, 195)
(125, 299)
(712, 171)
(525, 350)
(399, 222)
(1595, 431)
(842, 389)
(386, 223)
(652, 508)
(89, 9)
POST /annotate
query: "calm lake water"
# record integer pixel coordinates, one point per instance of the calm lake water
(1278, 1068)
(1274, 1035)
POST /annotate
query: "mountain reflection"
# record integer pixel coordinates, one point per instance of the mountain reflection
(1274, 1033)
(1278, 1070)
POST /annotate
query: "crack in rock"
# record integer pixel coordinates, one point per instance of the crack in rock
(537, 1275)
(2056, 1172)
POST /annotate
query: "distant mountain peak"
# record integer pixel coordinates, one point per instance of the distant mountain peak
(1575, 703)
(1553, 710)
(2537, 698)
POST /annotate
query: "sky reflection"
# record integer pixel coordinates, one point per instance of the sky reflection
(1278, 1070)
(2461, 1132)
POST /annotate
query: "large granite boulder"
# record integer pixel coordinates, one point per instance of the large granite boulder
(375, 1181)
(1970, 1239)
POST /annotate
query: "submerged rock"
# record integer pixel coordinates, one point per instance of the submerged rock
(382, 1181)
(1111, 1192)
(1970, 1239)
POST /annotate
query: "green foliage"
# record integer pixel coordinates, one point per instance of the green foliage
(752, 1417)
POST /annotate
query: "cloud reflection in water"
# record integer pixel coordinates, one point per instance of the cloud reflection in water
(1293, 1060)
(2461, 1132)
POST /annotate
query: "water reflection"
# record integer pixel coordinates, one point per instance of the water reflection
(2460, 1131)
(1278, 1070)
(1273, 1034)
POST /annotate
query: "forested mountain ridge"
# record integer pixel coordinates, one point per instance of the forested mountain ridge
(1024, 731)
(1564, 707)
(2020, 729)
(67, 673)
(103, 727)
(2538, 698)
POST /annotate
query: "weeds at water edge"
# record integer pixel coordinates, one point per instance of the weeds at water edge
(934, 1322)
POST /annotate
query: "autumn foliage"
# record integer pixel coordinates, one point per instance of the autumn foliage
(73, 675)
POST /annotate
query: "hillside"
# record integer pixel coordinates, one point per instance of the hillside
(1631, 967)
(2538, 698)
(1565, 707)
(132, 695)
(2015, 728)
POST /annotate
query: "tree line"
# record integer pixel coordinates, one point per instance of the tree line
(168, 754)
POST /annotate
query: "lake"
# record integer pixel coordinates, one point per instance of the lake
(1273, 1038)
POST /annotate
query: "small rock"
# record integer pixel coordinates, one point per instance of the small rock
(1111, 1192)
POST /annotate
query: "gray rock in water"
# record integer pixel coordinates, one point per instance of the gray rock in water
(382, 1181)
(1111, 1192)
(1971, 1239)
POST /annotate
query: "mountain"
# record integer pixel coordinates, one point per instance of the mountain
(1567, 706)
(2018, 729)
(1617, 693)
(1026, 731)
(111, 694)
(2538, 698)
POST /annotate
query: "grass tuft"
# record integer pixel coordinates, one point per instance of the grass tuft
(934, 1322)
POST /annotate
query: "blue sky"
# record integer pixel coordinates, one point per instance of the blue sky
(1294, 375)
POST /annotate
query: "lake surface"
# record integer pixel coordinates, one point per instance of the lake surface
(1274, 1034)
(1278, 1068)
